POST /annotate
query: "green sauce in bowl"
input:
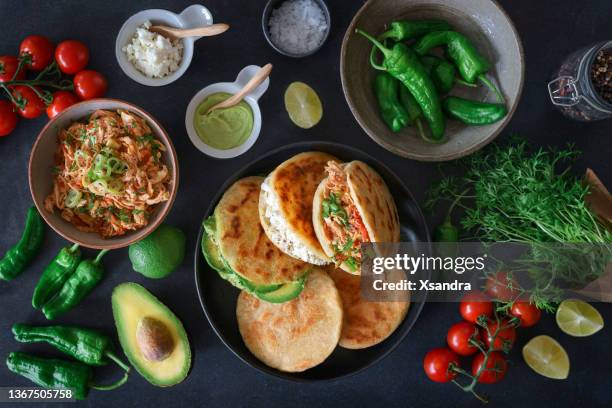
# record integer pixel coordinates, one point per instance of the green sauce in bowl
(223, 128)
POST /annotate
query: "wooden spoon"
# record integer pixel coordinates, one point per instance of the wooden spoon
(178, 33)
(253, 83)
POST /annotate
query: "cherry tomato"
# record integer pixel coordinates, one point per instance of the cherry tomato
(89, 84)
(475, 304)
(8, 66)
(498, 287)
(8, 118)
(506, 335)
(458, 338)
(71, 56)
(437, 364)
(527, 312)
(495, 370)
(33, 105)
(41, 50)
(61, 100)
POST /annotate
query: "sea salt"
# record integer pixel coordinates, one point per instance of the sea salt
(298, 26)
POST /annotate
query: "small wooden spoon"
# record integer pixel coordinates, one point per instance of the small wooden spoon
(178, 33)
(253, 83)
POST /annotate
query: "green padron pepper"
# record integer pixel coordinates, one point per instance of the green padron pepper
(57, 374)
(414, 111)
(408, 30)
(403, 64)
(88, 346)
(55, 275)
(85, 278)
(474, 112)
(446, 232)
(441, 71)
(52, 373)
(393, 113)
(470, 63)
(447, 235)
(19, 256)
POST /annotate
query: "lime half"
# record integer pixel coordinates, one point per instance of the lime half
(547, 357)
(303, 105)
(578, 318)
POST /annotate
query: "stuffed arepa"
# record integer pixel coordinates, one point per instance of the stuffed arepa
(365, 323)
(296, 335)
(351, 206)
(236, 246)
(285, 206)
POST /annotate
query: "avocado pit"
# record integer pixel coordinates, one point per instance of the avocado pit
(154, 339)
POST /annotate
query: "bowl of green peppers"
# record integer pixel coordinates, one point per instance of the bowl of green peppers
(432, 80)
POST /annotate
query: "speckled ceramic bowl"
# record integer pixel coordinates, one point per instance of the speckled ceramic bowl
(40, 174)
(482, 21)
(271, 5)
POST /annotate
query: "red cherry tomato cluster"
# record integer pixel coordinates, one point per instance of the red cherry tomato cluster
(47, 91)
(483, 333)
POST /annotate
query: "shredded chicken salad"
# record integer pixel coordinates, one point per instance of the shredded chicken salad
(342, 219)
(109, 174)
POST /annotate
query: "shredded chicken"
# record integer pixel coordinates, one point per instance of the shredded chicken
(109, 174)
(346, 225)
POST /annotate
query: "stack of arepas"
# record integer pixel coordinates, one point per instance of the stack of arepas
(292, 243)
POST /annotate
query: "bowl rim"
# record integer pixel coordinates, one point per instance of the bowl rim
(433, 157)
(138, 234)
(136, 75)
(190, 112)
(267, 12)
(415, 307)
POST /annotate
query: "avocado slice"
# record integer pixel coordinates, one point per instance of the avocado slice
(210, 250)
(152, 337)
(285, 293)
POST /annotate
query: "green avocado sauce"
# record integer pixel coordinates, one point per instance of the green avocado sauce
(223, 128)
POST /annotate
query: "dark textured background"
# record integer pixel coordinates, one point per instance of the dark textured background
(550, 29)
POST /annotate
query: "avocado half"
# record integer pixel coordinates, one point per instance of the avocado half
(270, 293)
(132, 305)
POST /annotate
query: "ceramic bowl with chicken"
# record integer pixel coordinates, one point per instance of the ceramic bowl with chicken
(103, 173)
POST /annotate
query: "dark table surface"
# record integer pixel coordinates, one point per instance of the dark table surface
(549, 29)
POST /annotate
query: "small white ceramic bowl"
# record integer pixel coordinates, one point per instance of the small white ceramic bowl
(192, 17)
(230, 87)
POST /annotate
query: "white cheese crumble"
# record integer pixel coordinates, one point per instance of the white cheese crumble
(153, 54)
(280, 233)
(297, 26)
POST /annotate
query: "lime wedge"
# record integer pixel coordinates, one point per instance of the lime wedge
(303, 105)
(578, 318)
(547, 357)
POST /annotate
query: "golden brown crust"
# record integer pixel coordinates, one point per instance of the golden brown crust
(365, 323)
(374, 201)
(242, 240)
(296, 335)
(294, 183)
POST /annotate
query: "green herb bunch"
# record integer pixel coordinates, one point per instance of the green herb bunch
(509, 194)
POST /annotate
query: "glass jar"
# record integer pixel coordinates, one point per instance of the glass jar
(572, 90)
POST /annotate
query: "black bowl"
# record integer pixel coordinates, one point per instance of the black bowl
(271, 5)
(218, 297)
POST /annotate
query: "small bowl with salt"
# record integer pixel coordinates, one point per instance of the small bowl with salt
(296, 28)
(152, 59)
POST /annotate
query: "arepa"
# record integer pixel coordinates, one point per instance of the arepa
(365, 323)
(351, 206)
(296, 335)
(285, 206)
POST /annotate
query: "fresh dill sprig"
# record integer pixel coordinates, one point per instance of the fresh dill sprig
(509, 194)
